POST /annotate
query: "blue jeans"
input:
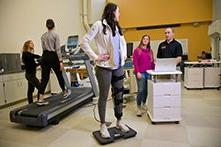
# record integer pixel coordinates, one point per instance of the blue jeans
(142, 89)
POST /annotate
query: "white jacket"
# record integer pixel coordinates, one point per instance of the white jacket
(104, 45)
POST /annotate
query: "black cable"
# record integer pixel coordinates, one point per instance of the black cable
(107, 123)
(94, 113)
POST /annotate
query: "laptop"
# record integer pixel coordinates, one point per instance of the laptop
(165, 65)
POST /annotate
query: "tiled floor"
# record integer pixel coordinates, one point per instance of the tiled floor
(200, 126)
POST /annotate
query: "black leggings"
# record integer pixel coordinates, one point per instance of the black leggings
(50, 61)
(32, 83)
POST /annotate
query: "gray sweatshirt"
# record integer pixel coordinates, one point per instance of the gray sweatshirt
(50, 41)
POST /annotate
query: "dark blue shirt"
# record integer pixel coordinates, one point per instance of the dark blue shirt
(169, 50)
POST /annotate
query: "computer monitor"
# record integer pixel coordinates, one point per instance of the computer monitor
(165, 65)
(63, 52)
(129, 49)
(208, 56)
(184, 57)
(72, 42)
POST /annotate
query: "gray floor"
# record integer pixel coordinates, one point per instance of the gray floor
(200, 126)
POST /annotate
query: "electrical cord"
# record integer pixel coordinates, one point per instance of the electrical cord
(107, 123)
(94, 113)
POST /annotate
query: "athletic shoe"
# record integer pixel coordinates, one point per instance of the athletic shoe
(139, 112)
(42, 103)
(104, 132)
(122, 126)
(67, 93)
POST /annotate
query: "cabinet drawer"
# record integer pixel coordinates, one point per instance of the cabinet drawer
(172, 113)
(165, 88)
(1, 78)
(166, 101)
(15, 90)
(14, 76)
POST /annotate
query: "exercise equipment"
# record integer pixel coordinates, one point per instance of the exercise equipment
(34, 115)
(115, 133)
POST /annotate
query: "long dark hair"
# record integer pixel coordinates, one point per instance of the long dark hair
(109, 16)
(141, 41)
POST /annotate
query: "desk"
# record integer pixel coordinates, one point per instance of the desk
(164, 98)
(82, 71)
(55, 88)
(204, 74)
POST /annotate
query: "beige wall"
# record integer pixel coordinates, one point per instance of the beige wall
(216, 9)
(21, 20)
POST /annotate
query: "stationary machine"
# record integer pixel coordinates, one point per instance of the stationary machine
(34, 115)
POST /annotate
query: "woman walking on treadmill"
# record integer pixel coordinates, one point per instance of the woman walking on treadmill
(28, 58)
(51, 57)
(110, 58)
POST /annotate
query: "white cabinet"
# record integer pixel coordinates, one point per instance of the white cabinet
(15, 87)
(212, 77)
(164, 98)
(205, 74)
(193, 77)
(2, 96)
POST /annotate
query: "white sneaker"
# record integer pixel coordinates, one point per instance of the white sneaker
(42, 103)
(67, 93)
(139, 112)
(144, 107)
(104, 132)
(122, 126)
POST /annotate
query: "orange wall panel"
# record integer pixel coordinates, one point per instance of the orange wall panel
(136, 13)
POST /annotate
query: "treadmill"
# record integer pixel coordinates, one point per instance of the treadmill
(41, 116)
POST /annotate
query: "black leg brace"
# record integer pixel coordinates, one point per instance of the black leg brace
(118, 98)
(115, 78)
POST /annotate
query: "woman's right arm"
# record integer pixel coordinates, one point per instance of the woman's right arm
(87, 39)
(136, 65)
(135, 61)
(36, 56)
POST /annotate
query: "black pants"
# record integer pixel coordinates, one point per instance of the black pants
(50, 61)
(32, 83)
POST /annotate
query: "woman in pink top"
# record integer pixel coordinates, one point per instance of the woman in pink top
(143, 60)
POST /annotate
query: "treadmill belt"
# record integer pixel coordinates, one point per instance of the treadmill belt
(55, 102)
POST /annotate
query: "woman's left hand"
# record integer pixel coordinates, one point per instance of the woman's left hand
(61, 66)
(139, 76)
